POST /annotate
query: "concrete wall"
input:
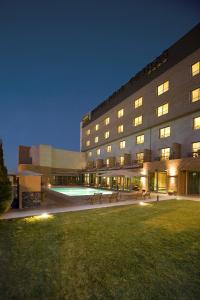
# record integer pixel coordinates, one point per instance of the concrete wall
(47, 156)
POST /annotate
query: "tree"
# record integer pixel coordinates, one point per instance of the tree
(5, 186)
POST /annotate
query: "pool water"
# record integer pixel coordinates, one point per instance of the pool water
(79, 191)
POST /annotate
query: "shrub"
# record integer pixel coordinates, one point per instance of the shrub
(5, 186)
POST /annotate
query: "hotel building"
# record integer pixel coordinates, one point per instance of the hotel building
(147, 133)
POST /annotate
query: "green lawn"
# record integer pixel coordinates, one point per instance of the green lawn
(127, 252)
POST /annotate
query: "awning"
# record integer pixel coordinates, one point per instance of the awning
(125, 173)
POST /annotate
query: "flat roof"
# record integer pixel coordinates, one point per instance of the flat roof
(186, 45)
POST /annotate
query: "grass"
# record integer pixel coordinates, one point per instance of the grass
(127, 252)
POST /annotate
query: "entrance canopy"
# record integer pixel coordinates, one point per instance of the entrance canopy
(125, 173)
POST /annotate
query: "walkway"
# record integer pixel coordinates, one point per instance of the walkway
(14, 214)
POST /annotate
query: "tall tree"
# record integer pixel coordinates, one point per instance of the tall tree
(5, 186)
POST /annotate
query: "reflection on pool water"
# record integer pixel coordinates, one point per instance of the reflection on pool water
(79, 191)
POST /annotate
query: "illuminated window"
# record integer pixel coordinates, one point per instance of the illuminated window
(196, 123)
(88, 143)
(96, 139)
(196, 95)
(196, 68)
(107, 121)
(109, 148)
(164, 132)
(121, 160)
(138, 121)
(107, 134)
(88, 132)
(140, 139)
(196, 149)
(162, 88)
(90, 154)
(138, 102)
(162, 110)
(140, 157)
(98, 151)
(164, 153)
(122, 144)
(120, 113)
(97, 127)
(120, 128)
(107, 162)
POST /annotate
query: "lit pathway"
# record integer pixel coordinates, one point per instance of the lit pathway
(14, 214)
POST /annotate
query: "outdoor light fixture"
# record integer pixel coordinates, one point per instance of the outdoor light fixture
(44, 215)
(143, 203)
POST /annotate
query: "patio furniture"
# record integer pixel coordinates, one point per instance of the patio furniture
(96, 198)
(114, 197)
(147, 195)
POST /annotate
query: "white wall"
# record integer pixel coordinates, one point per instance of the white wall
(47, 156)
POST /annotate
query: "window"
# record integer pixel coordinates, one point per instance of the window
(97, 127)
(196, 95)
(164, 153)
(88, 143)
(196, 149)
(120, 113)
(162, 110)
(140, 139)
(120, 128)
(90, 154)
(138, 121)
(196, 68)
(107, 121)
(138, 102)
(109, 148)
(140, 157)
(196, 123)
(162, 88)
(164, 132)
(121, 160)
(88, 132)
(107, 162)
(122, 144)
(98, 151)
(107, 134)
(96, 139)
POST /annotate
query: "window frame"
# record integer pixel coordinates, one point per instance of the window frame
(193, 123)
(162, 84)
(198, 88)
(138, 118)
(134, 104)
(139, 136)
(198, 62)
(119, 116)
(122, 143)
(166, 103)
(163, 128)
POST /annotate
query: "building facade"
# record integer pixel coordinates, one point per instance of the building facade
(150, 127)
(57, 166)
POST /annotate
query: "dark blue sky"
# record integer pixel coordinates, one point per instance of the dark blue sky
(59, 59)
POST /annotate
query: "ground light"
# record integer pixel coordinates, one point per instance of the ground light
(143, 203)
(43, 216)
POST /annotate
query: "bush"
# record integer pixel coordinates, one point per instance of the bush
(5, 186)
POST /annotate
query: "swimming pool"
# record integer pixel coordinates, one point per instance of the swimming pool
(78, 191)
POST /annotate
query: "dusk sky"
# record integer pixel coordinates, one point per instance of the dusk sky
(59, 59)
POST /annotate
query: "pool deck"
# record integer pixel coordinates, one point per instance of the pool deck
(14, 214)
